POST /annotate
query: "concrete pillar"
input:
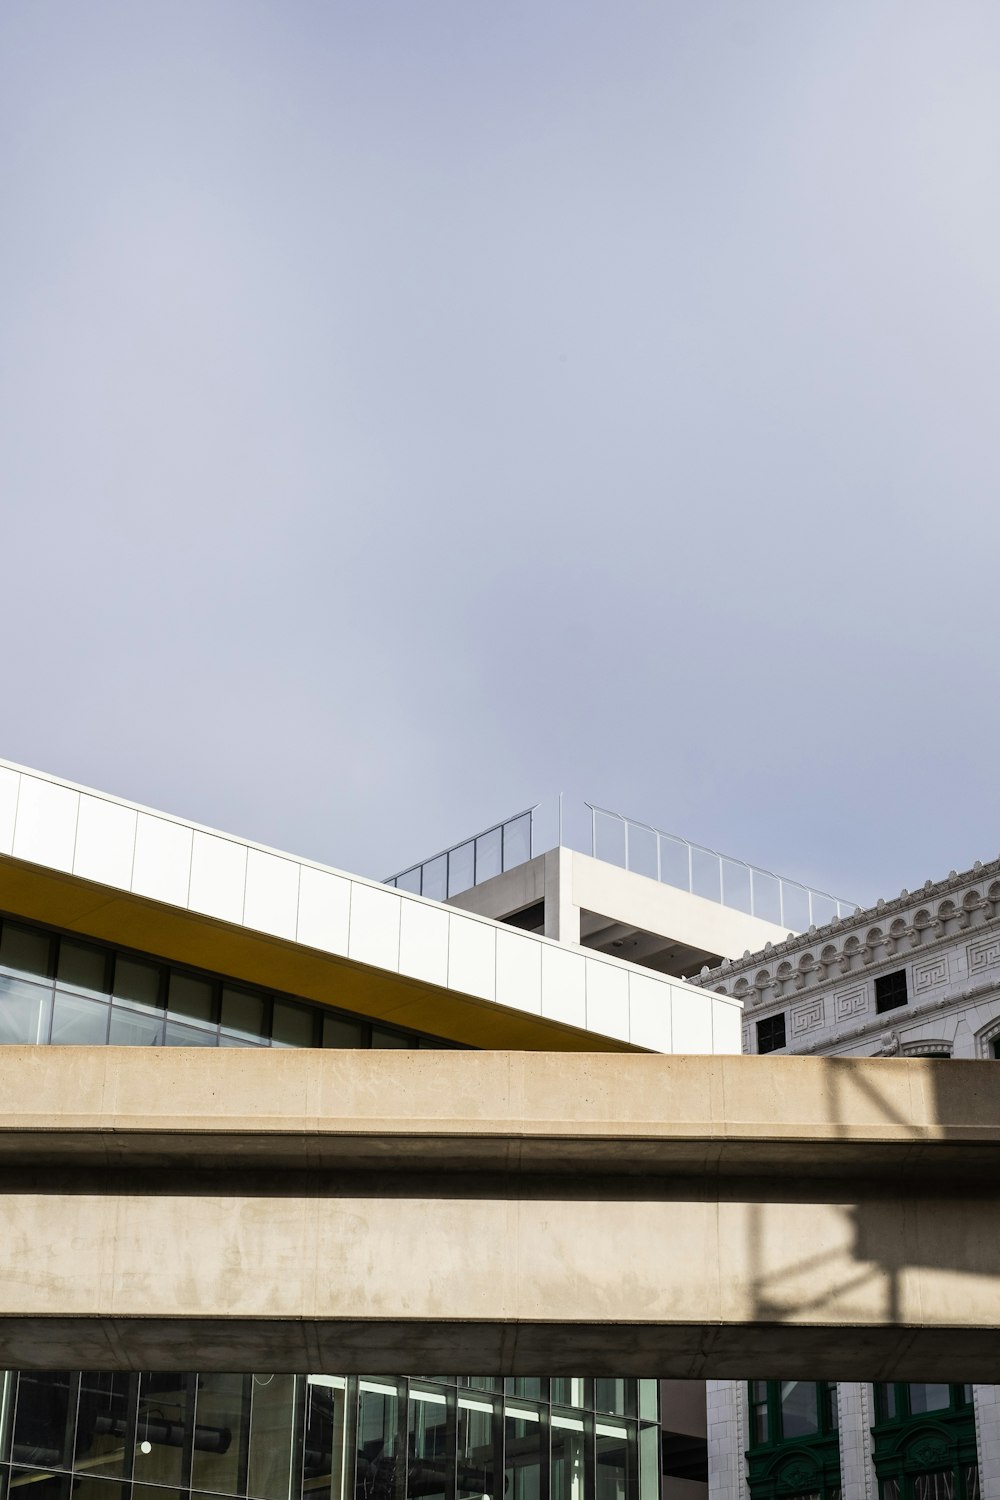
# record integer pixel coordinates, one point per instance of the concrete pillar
(562, 917)
(986, 1402)
(857, 1472)
(727, 1440)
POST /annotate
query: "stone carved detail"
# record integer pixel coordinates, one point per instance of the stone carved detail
(807, 1017)
(985, 954)
(929, 973)
(852, 1002)
(915, 919)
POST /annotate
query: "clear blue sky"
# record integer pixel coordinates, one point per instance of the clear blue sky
(407, 410)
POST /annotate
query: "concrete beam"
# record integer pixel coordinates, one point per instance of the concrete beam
(508, 1212)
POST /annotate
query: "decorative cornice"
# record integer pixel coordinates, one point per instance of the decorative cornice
(880, 935)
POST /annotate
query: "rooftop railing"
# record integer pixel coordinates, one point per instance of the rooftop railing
(631, 845)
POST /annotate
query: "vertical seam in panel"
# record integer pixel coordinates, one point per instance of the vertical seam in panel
(298, 896)
(135, 845)
(187, 897)
(76, 833)
(17, 806)
(246, 872)
(399, 923)
(447, 955)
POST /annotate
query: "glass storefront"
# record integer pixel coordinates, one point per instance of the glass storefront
(99, 1436)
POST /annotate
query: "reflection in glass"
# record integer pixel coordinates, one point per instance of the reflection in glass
(82, 966)
(43, 1420)
(325, 1451)
(25, 949)
(130, 1028)
(79, 1022)
(568, 1390)
(609, 1395)
(426, 1444)
(137, 983)
(272, 1436)
(378, 1441)
(292, 1025)
(612, 1461)
(568, 1448)
(220, 1434)
(243, 1014)
(178, 1035)
(522, 1456)
(338, 1031)
(103, 1435)
(799, 1414)
(24, 1011)
(383, 1038)
(476, 1459)
(929, 1398)
(190, 997)
(527, 1386)
(90, 1487)
(162, 1424)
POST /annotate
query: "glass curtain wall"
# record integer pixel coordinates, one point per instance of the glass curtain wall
(100, 1436)
(57, 990)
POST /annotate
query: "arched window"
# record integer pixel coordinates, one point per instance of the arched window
(925, 1442)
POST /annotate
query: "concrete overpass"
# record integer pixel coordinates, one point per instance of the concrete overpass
(504, 1212)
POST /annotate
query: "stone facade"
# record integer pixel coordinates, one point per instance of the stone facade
(945, 940)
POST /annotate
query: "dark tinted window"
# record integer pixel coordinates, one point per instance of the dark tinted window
(771, 1033)
(890, 990)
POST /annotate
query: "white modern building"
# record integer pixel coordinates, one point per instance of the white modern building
(556, 930)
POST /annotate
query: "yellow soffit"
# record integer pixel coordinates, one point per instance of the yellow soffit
(39, 894)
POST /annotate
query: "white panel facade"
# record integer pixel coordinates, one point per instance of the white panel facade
(692, 1022)
(324, 910)
(165, 859)
(519, 972)
(649, 1013)
(564, 986)
(105, 842)
(607, 999)
(374, 926)
(218, 877)
(423, 942)
(161, 868)
(45, 830)
(472, 957)
(271, 897)
(727, 1024)
(10, 782)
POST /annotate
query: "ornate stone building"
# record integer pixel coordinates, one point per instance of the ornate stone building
(915, 976)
